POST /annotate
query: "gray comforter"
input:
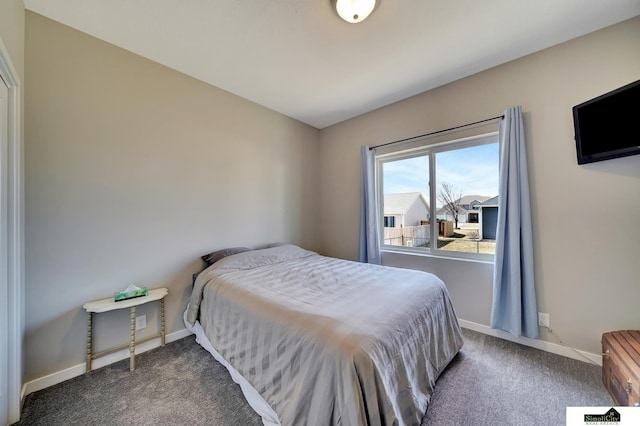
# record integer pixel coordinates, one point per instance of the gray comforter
(328, 341)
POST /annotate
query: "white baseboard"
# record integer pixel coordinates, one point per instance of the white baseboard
(554, 348)
(80, 369)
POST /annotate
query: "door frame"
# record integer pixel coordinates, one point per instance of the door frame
(15, 239)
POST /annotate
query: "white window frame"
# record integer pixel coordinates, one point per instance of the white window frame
(406, 153)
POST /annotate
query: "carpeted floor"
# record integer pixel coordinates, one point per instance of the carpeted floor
(490, 382)
(497, 382)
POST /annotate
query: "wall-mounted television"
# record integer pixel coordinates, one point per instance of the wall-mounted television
(608, 126)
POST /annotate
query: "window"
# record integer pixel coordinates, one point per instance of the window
(389, 221)
(448, 189)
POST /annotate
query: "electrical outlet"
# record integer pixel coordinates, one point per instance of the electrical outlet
(543, 320)
(141, 322)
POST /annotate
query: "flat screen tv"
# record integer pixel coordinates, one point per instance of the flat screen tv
(608, 126)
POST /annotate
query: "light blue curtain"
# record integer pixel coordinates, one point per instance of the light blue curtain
(514, 308)
(369, 249)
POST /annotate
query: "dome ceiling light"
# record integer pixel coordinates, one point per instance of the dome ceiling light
(354, 11)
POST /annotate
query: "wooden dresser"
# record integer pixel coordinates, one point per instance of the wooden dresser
(621, 366)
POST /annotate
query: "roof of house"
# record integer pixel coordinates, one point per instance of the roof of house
(491, 201)
(467, 199)
(401, 203)
(461, 211)
(465, 203)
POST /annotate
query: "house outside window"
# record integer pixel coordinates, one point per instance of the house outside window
(449, 182)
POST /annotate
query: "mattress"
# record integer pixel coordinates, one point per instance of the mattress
(327, 341)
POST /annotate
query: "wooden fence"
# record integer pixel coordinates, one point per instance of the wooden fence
(409, 236)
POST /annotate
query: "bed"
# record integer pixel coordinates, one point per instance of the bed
(324, 341)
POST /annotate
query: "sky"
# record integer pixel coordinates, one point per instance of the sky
(472, 171)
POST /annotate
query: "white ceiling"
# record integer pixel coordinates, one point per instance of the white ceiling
(299, 58)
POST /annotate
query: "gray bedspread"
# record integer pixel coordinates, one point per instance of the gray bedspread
(328, 341)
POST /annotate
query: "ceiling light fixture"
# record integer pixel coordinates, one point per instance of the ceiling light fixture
(354, 11)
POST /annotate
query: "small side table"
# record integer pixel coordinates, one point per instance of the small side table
(106, 305)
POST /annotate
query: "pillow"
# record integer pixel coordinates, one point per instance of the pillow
(213, 257)
(277, 245)
(263, 257)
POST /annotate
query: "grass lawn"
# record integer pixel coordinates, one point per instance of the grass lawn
(468, 246)
(462, 240)
(458, 242)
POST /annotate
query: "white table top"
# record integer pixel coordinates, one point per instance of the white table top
(105, 305)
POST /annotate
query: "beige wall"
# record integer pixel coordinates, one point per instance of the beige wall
(12, 32)
(585, 218)
(132, 172)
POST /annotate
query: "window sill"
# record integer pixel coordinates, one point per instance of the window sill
(413, 252)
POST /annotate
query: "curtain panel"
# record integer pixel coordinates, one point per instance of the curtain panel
(514, 308)
(369, 246)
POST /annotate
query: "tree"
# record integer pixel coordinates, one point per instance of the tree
(450, 198)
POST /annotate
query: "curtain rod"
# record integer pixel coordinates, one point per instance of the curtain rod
(436, 132)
